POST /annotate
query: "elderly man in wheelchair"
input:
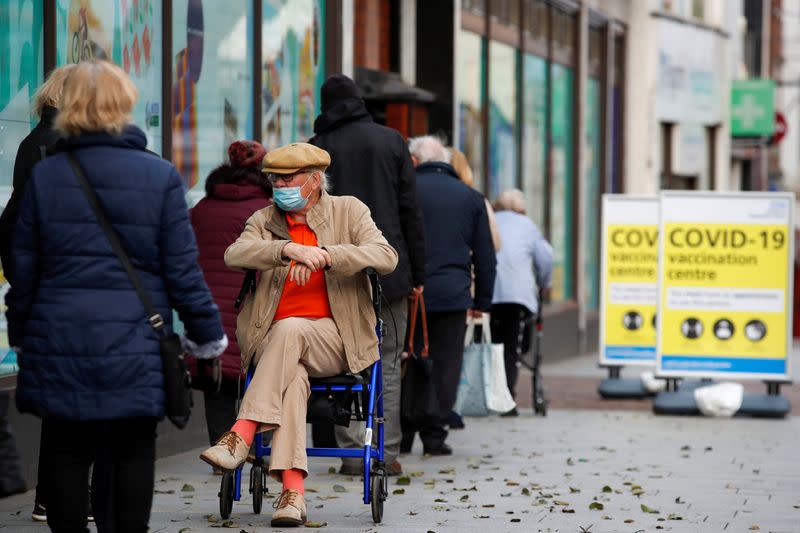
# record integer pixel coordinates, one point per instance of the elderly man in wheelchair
(311, 315)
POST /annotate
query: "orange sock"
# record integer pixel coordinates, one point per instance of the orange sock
(246, 429)
(293, 479)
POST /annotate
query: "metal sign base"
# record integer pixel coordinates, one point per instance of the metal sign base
(622, 389)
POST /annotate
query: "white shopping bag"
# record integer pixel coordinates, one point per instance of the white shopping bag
(488, 359)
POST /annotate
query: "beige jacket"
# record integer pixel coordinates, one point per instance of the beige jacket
(343, 227)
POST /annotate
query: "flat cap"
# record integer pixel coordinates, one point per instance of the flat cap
(295, 157)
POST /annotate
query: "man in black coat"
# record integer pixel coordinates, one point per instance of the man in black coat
(372, 163)
(459, 245)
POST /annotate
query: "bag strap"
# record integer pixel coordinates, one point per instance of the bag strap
(155, 319)
(418, 306)
(486, 332)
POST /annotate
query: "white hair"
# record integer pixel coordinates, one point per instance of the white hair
(428, 148)
(511, 200)
(324, 183)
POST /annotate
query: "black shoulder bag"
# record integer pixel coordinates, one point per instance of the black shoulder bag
(177, 382)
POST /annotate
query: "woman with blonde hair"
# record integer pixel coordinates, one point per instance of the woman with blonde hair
(460, 163)
(90, 363)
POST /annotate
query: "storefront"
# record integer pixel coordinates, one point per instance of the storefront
(208, 73)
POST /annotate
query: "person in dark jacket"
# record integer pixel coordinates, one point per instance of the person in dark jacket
(90, 363)
(233, 192)
(459, 243)
(32, 149)
(372, 163)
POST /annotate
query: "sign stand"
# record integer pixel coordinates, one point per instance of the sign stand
(725, 297)
(628, 285)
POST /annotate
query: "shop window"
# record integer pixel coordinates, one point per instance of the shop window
(596, 51)
(561, 189)
(21, 68)
(502, 118)
(537, 19)
(293, 69)
(212, 84)
(591, 192)
(477, 7)
(127, 33)
(470, 101)
(534, 137)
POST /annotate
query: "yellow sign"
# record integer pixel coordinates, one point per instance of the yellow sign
(630, 268)
(725, 285)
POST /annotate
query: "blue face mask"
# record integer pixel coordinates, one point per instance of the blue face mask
(289, 198)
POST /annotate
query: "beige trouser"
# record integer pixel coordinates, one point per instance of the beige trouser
(293, 350)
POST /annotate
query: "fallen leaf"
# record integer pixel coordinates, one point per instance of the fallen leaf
(429, 482)
(647, 509)
(673, 516)
(568, 510)
(629, 520)
(754, 528)
(332, 470)
(573, 490)
(447, 471)
(596, 506)
(412, 513)
(164, 491)
(511, 483)
(685, 448)
(311, 489)
(709, 448)
(606, 488)
(399, 491)
(526, 491)
(488, 505)
(211, 518)
(339, 488)
(184, 529)
(315, 524)
(606, 517)
(416, 474)
(439, 500)
(403, 480)
(570, 462)
(559, 502)
(516, 520)
(679, 500)
(464, 498)
(187, 488)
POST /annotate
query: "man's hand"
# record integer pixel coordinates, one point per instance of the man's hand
(416, 291)
(475, 313)
(300, 274)
(311, 256)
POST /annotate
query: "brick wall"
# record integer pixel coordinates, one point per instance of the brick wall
(371, 42)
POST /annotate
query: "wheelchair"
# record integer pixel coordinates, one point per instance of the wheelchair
(352, 397)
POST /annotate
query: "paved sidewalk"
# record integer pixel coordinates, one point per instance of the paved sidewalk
(533, 474)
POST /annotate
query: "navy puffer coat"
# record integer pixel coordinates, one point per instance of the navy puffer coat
(88, 352)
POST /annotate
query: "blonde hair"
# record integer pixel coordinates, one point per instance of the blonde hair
(511, 200)
(49, 94)
(460, 163)
(98, 96)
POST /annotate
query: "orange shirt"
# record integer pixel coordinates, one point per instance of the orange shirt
(310, 300)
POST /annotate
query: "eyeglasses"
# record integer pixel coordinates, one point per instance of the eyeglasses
(285, 178)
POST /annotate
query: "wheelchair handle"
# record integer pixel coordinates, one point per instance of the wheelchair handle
(377, 292)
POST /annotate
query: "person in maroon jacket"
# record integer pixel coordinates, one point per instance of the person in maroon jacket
(233, 192)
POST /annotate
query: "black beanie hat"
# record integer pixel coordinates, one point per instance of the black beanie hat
(338, 87)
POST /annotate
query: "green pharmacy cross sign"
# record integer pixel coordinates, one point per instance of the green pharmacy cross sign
(752, 108)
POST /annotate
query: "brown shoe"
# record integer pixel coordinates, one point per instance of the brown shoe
(291, 510)
(228, 453)
(394, 469)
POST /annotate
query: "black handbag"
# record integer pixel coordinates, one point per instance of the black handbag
(419, 402)
(177, 382)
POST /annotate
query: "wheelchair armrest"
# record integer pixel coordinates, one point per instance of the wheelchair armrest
(377, 292)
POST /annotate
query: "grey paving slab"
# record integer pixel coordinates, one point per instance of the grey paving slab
(530, 475)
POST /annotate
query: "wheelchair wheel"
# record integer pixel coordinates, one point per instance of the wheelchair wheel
(378, 492)
(226, 495)
(257, 487)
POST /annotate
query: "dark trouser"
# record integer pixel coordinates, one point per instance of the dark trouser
(507, 325)
(220, 410)
(123, 452)
(11, 481)
(446, 332)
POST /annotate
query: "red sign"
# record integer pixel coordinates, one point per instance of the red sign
(781, 127)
